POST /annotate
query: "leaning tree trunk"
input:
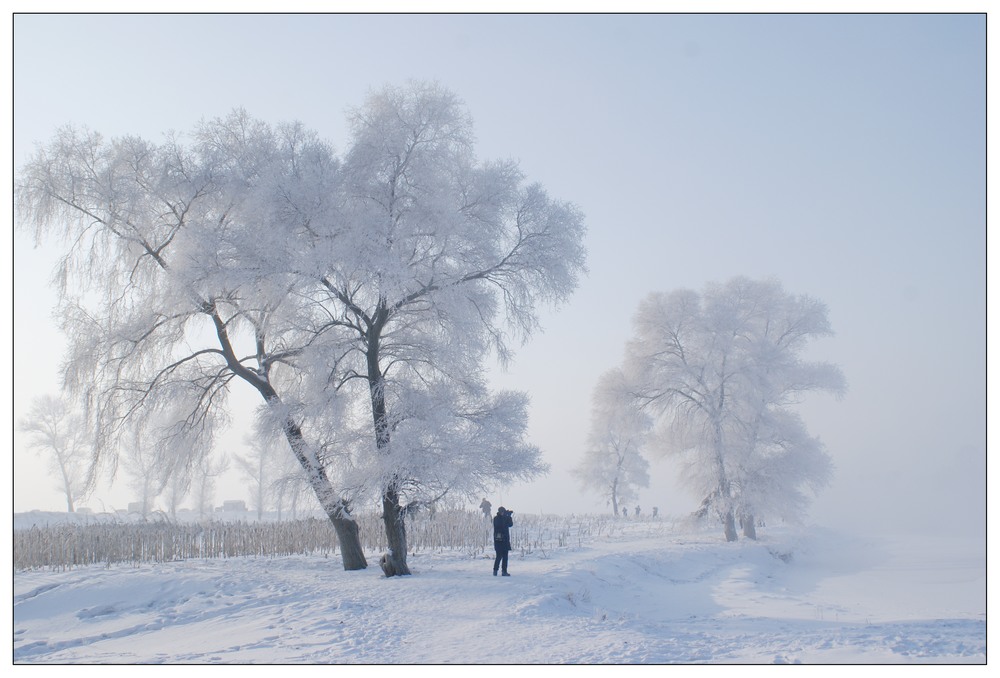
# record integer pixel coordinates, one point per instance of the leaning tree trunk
(349, 538)
(335, 507)
(348, 535)
(344, 524)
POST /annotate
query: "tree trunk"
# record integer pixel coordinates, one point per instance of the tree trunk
(67, 486)
(729, 521)
(725, 493)
(749, 529)
(349, 539)
(348, 535)
(394, 561)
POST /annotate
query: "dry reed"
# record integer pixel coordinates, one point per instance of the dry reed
(63, 546)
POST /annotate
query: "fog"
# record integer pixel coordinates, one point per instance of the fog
(842, 154)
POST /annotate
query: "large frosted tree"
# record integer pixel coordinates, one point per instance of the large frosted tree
(164, 297)
(370, 288)
(721, 370)
(613, 464)
(443, 260)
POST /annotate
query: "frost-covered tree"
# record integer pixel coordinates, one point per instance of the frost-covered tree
(177, 488)
(254, 469)
(364, 290)
(720, 370)
(206, 470)
(437, 259)
(261, 467)
(56, 431)
(143, 474)
(172, 288)
(180, 469)
(613, 463)
(289, 488)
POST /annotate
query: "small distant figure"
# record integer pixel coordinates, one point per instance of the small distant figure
(486, 508)
(624, 512)
(501, 539)
(637, 512)
(656, 511)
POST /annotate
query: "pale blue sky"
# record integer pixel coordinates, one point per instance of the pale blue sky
(843, 154)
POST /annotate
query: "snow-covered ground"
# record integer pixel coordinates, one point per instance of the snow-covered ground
(650, 593)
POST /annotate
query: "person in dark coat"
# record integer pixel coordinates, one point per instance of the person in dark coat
(486, 508)
(502, 523)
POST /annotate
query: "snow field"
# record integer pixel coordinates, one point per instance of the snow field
(638, 596)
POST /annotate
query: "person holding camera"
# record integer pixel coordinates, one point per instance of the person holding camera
(502, 523)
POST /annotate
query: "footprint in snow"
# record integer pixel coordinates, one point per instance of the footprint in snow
(779, 659)
(99, 611)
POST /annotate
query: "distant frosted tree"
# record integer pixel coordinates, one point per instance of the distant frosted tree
(207, 469)
(144, 475)
(159, 453)
(288, 487)
(613, 463)
(721, 370)
(290, 490)
(177, 488)
(254, 469)
(55, 431)
(181, 470)
(262, 468)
